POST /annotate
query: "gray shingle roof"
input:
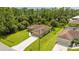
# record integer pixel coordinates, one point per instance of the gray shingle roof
(39, 30)
(69, 34)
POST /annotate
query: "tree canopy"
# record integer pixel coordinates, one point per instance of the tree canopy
(16, 19)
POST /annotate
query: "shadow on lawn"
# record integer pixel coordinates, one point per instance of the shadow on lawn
(3, 37)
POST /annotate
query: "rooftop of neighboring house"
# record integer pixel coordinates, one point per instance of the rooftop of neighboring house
(74, 20)
(39, 29)
(69, 34)
(72, 28)
(76, 16)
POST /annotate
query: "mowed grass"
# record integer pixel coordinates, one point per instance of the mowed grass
(75, 49)
(16, 38)
(46, 43)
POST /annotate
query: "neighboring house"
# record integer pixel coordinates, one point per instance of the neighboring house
(39, 29)
(66, 36)
(72, 28)
(74, 20)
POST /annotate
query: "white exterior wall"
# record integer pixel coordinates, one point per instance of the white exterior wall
(63, 42)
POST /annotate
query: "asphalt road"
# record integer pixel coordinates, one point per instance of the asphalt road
(5, 48)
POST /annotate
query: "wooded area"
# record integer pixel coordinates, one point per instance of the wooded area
(16, 19)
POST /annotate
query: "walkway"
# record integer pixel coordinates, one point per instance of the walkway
(59, 48)
(25, 43)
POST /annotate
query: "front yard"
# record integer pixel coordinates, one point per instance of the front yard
(16, 38)
(46, 43)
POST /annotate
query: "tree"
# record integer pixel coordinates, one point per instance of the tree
(75, 41)
(21, 26)
(15, 19)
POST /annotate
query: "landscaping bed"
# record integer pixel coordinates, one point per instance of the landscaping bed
(16, 38)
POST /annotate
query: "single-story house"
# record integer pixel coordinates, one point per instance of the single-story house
(38, 29)
(67, 36)
(74, 20)
(72, 28)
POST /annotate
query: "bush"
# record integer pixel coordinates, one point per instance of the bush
(21, 26)
(73, 25)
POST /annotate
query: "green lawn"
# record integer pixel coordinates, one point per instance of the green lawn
(76, 49)
(46, 43)
(15, 38)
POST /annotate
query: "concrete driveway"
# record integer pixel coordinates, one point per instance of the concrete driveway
(59, 48)
(25, 43)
